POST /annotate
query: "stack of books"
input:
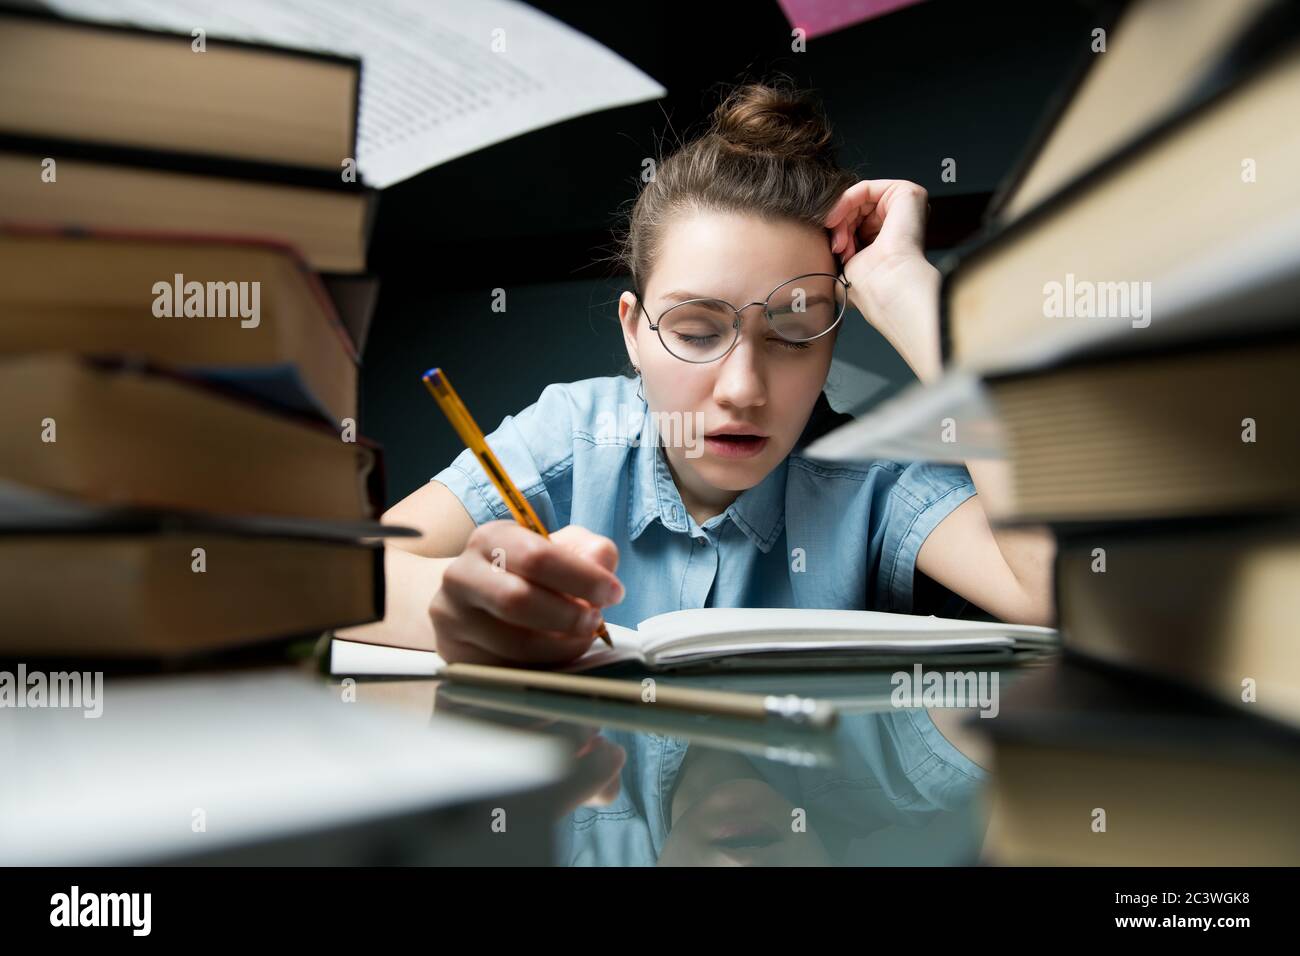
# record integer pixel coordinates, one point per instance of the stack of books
(182, 303)
(1126, 331)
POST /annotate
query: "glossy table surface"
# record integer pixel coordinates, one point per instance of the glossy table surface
(891, 783)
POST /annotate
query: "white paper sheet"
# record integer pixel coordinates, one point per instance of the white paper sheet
(439, 78)
(951, 420)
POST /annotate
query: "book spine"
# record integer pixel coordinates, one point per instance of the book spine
(197, 164)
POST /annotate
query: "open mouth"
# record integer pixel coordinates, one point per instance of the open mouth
(735, 446)
(745, 842)
(752, 837)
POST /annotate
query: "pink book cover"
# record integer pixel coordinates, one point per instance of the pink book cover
(819, 17)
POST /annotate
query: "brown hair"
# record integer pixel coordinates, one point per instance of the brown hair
(768, 151)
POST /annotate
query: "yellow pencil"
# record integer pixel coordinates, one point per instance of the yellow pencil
(461, 420)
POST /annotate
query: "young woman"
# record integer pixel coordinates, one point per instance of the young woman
(742, 252)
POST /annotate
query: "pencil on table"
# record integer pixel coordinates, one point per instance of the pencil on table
(799, 711)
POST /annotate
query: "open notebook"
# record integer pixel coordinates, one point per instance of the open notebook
(754, 638)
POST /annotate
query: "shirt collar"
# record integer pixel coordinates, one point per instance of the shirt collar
(759, 512)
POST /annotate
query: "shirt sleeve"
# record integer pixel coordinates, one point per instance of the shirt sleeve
(535, 447)
(922, 495)
(948, 777)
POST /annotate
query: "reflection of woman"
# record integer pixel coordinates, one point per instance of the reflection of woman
(734, 250)
(899, 794)
(724, 813)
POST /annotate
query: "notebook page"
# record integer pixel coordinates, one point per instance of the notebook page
(439, 78)
(355, 658)
(847, 647)
(627, 647)
(724, 627)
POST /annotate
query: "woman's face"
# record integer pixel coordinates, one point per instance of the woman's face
(741, 823)
(764, 386)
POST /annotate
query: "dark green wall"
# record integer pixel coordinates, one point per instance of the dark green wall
(533, 215)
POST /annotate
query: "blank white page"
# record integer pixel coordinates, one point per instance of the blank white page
(730, 623)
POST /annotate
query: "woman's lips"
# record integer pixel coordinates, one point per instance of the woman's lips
(735, 446)
(744, 832)
(744, 842)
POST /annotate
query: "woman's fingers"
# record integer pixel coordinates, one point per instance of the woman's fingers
(902, 214)
(518, 600)
(515, 596)
(470, 635)
(862, 213)
(552, 564)
(840, 235)
(867, 192)
(588, 544)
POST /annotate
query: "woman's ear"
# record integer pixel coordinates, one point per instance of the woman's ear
(628, 315)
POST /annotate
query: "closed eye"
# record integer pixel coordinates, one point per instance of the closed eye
(793, 346)
(693, 339)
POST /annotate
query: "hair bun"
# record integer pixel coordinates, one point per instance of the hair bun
(760, 118)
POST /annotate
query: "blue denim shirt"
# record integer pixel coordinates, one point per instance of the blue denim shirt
(899, 794)
(810, 534)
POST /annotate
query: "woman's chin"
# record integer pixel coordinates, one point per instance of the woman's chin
(732, 474)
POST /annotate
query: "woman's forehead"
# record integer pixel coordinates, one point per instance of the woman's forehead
(734, 254)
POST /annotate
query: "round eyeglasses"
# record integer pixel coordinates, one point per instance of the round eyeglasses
(799, 310)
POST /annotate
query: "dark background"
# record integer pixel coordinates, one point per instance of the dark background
(967, 79)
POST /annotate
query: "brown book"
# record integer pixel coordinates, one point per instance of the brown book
(1153, 436)
(120, 435)
(1179, 783)
(101, 83)
(1159, 54)
(146, 595)
(95, 188)
(1209, 605)
(1201, 215)
(102, 294)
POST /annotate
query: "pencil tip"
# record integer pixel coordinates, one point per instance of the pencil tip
(434, 373)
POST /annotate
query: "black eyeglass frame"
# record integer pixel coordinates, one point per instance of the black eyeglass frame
(654, 326)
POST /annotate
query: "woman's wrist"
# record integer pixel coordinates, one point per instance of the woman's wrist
(901, 301)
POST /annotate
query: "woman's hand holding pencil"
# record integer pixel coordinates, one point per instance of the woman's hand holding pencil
(513, 596)
(516, 593)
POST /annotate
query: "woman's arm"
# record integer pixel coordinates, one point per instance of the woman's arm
(878, 228)
(490, 593)
(413, 567)
(438, 515)
(1006, 572)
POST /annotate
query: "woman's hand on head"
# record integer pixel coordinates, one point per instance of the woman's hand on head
(877, 228)
(514, 597)
(887, 215)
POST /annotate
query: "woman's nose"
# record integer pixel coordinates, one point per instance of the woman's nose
(740, 379)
